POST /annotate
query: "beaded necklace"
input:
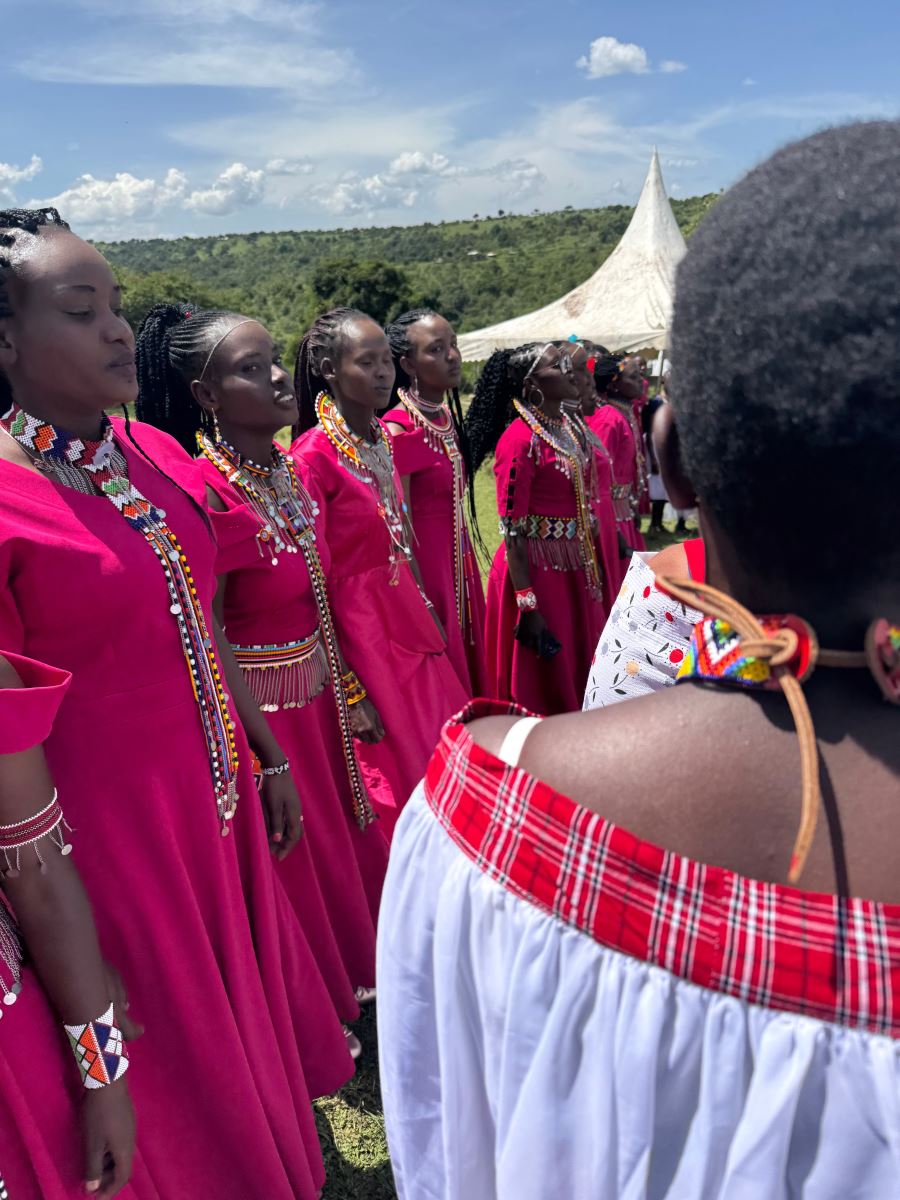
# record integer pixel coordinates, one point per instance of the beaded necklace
(286, 513)
(373, 465)
(441, 438)
(105, 468)
(571, 460)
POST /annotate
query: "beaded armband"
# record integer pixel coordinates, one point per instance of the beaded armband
(99, 1050)
(281, 769)
(48, 823)
(353, 690)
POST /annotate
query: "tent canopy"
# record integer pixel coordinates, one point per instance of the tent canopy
(625, 305)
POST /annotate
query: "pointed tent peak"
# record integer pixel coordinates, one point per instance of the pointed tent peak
(653, 220)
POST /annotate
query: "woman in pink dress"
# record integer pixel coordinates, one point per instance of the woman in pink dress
(212, 380)
(388, 628)
(106, 618)
(432, 456)
(545, 590)
(616, 383)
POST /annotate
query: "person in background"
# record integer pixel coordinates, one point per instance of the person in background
(612, 426)
(546, 585)
(433, 458)
(130, 825)
(213, 381)
(654, 950)
(388, 626)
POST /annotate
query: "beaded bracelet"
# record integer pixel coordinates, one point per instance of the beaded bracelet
(99, 1050)
(353, 690)
(47, 823)
(526, 600)
(281, 769)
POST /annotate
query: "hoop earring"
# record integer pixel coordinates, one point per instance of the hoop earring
(539, 403)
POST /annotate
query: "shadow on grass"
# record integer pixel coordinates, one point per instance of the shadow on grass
(351, 1129)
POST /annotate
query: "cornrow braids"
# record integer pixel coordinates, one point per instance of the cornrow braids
(401, 346)
(324, 339)
(13, 223)
(501, 381)
(607, 366)
(172, 350)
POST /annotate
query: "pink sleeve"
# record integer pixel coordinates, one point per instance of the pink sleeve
(235, 532)
(514, 470)
(411, 451)
(27, 713)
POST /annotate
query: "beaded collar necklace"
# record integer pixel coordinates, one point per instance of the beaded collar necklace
(442, 440)
(731, 645)
(573, 462)
(373, 465)
(102, 465)
(287, 517)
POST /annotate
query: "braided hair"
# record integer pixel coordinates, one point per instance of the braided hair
(401, 346)
(13, 223)
(491, 410)
(172, 349)
(324, 339)
(607, 366)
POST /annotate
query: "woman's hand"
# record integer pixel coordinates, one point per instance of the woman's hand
(283, 813)
(366, 723)
(107, 1128)
(533, 632)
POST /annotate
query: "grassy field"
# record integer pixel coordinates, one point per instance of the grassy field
(351, 1126)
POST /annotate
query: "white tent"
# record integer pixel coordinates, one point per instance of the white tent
(625, 305)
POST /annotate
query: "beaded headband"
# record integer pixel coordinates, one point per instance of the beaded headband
(218, 343)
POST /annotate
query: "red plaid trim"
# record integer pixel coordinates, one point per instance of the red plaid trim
(805, 952)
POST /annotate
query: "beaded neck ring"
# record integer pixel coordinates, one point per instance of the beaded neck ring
(372, 464)
(102, 470)
(572, 462)
(287, 517)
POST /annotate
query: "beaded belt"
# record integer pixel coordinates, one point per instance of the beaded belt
(286, 676)
(623, 501)
(553, 529)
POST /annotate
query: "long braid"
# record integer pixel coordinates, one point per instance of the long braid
(401, 347)
(324, 339)
(173, 346)
(13, 223)
(501, 381)
(606, 367)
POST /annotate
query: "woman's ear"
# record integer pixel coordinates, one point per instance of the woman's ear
(328, 370)
(203, 396)
(408, 366)
(667, 448)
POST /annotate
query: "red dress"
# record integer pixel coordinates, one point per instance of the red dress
(430, 496)
(614, 566)
(334, 876)
(614, 431)
(386, 632)
(530, 485)
(214, 961)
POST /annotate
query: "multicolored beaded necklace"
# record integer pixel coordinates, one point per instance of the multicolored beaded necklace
(442, 439)
(372, 463)
(103, 466)
(571, 460)
(287, 516)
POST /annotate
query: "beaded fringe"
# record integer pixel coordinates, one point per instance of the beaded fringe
(284, 676)
(10, 957)
(556, 554)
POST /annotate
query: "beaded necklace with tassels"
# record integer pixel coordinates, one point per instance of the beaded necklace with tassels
(573, 463)
(286, 514)
(441, 438)
(100, 468)
(779, 653)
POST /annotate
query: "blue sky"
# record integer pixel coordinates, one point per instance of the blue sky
(170, 117)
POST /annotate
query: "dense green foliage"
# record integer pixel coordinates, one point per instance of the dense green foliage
(476, 272)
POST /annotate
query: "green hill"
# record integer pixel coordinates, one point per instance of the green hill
(475, 272)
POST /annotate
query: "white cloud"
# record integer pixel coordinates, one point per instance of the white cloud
(235, 188)
(748, 82)
(356, 193)
(414, 162)
(10, 174)
(608, 56)
(671, 66)
(290, 166)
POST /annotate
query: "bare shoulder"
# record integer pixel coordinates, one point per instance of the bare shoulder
(670, 561)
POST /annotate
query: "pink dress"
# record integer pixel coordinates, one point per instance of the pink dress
(528, 484)
(430, 499)
(334, 876)
(614, 566)
(213, 959)
(386, 632)
(614, 431)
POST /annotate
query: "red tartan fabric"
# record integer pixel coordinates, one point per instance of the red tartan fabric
(764, 943)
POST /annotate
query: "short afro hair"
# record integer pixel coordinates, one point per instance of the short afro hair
(786, 353)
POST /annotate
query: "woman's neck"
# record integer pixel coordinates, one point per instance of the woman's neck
(357, 416)
(249, 443)
(551, 409)
(434, 397)
(85, 425)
